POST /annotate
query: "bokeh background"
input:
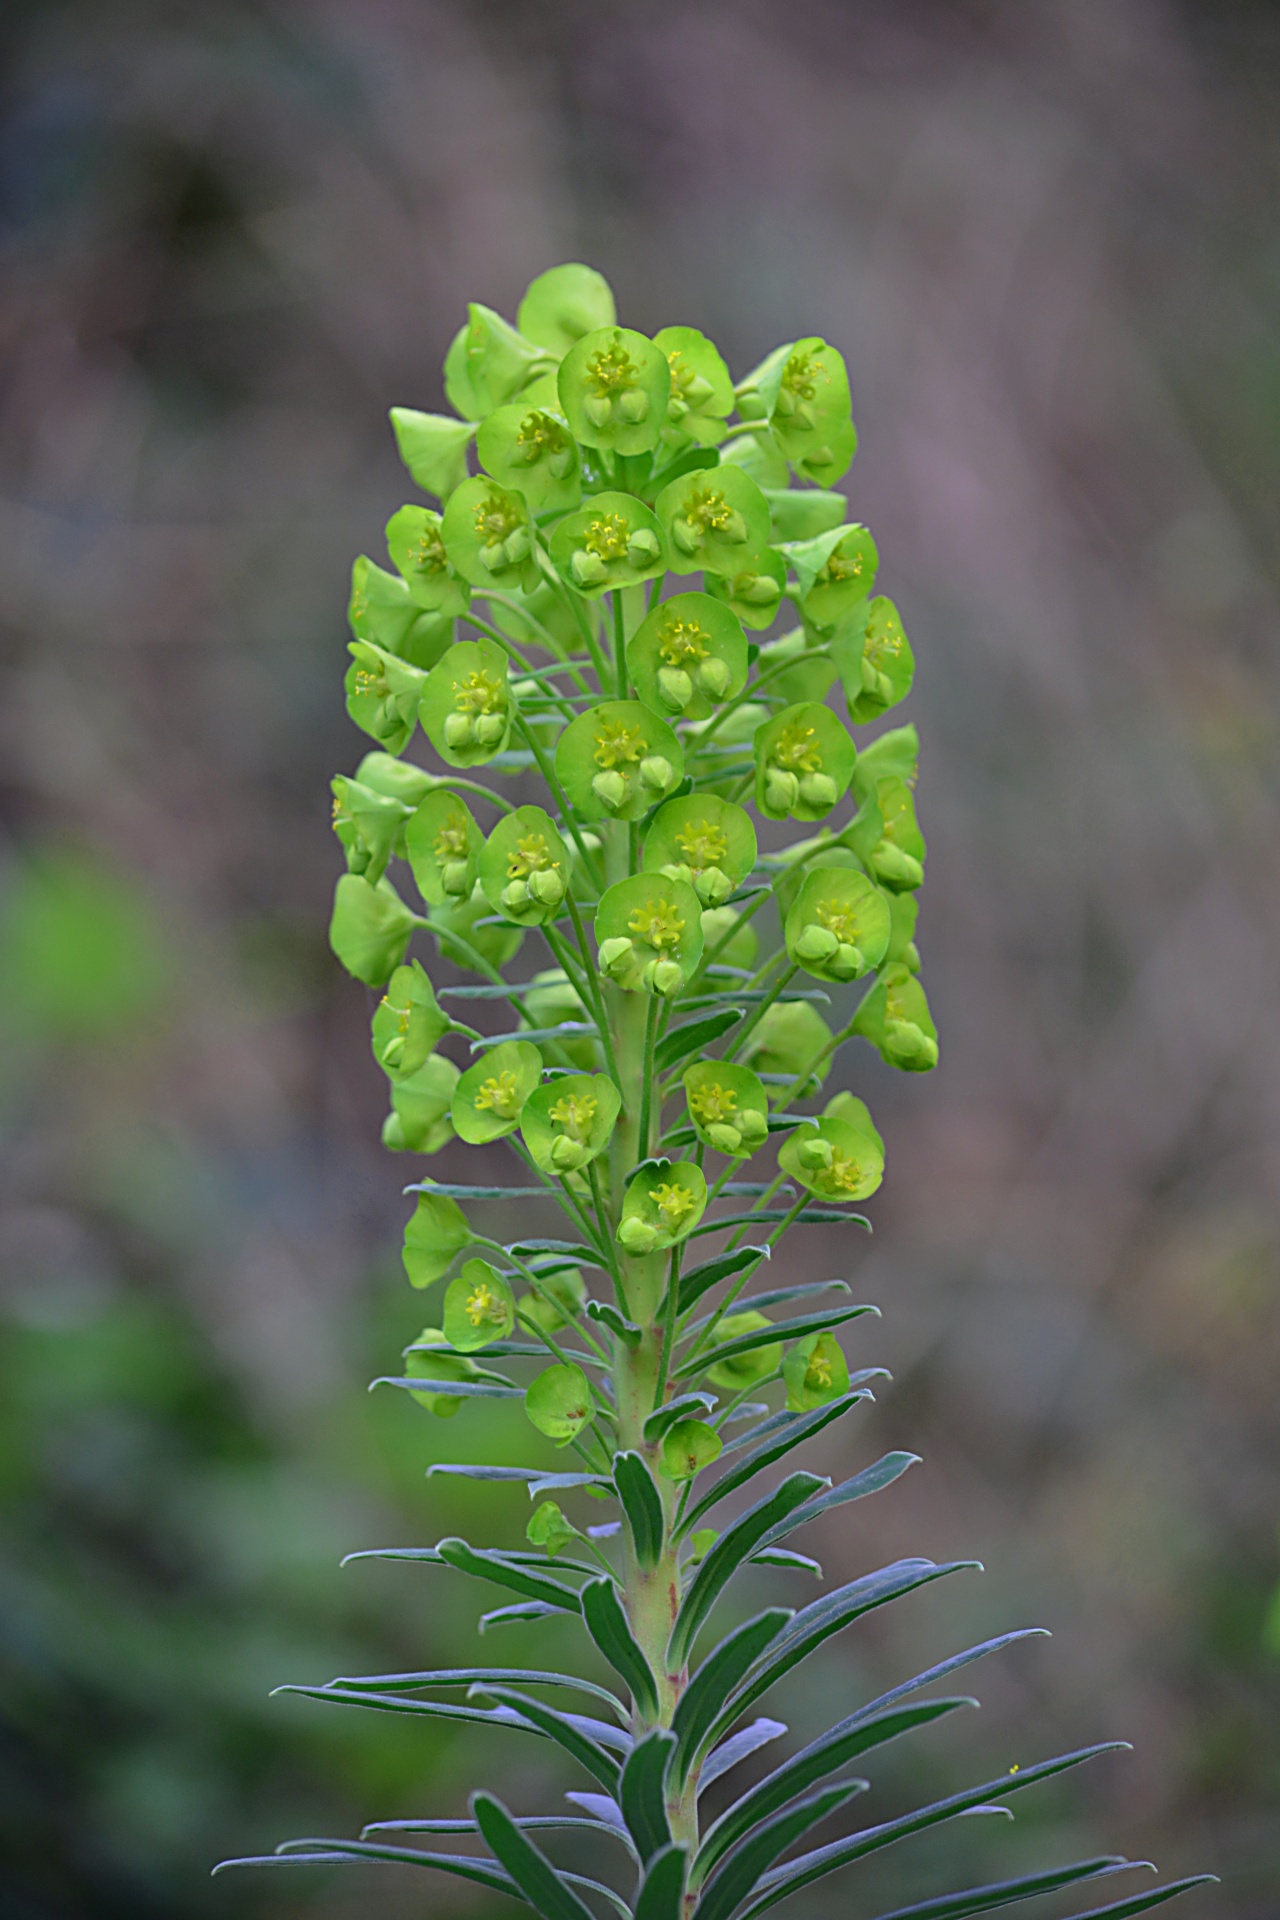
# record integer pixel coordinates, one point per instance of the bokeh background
(231, 235)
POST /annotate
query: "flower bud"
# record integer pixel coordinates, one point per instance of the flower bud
(754, 1126)
(610, 789)
(547, 887)
(615, 956)
(588, 569)
(819, 790)
(637, 1236)
(781, 790)
(455, 878)
(643, 547)
(632, 407)
(668, 977)
(897, 869)
(816, 943)
(459, 729)
(568, 1155)
(712, 886)
(714, 677)
(598, 409)
(675, 688)
(847, 962)
(814, 1154)
(517, 546)
(515, 895)
(656, 773)
(490, 728)
(725, 1139)
(761, 591)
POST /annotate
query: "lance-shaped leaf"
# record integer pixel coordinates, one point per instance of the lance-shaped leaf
(719, 1674)
(739, 1747)
(345, 1852)
(642, 1792)
(642, 1504)
(502, 1570)
(729, 1551)
(541, 1884)
(478, 1676)
(661, 1895)
(608, 1626)
(756, 1855)
(954, 1906)
(695, 1036)
(567, 1730)
(766, 1331)
(700, 1280)
(424, 1709)
(1143, 1902)
(871, 1480)
(688, 1406)
(776, 1439)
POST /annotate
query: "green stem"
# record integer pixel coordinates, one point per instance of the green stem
(668, 1328)
(452, 782)
(602, 1215)
(566, 811)
(646, 1093)
(619, 646)
(597, 995)
(761, 1008)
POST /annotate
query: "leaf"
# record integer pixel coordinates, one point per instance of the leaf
(836, 1748)
(871, 1480)
(794, 1329)
(811, 1217)
(1141, 1902)
(731, 1753)
(485, 1565)
(566, 1731)
(779, 1295)
(472, 1676)
(808, 1867)
(780, 1557)
(606, 1809)
(465, 1472)
(529, 1822)
(780, 1434)
(540, 1883)
(558, 1483)
(741, 1872)
(642, 1792)
(689, 1406)
(482, 1871)
(695, 1036)
(425, 1709)
(726, 1555)
(974, 1900)
(720, 1672)
(608, 1316)
(661, 1895)
(608, 1626)
(699, 1279)
(642, 1504)
(454, 1192)
(953, 1665)
(430, 1556)
(456, 1389)
(528, 1610)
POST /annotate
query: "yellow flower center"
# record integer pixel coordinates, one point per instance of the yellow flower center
(883, 643)
(797, 749)
(450, 843)
(683, 643)
(707, 509)
(366, 682)
(713, 1105)
(480, 692)
(658, 924)
(619, 743)
(483, 1304)
(611, 369)
(703, 844)
(895, 811)
(838, 918)
(575, 1112)
(803, 376)
(844, 566)
(607, 537)
(844, 1175)
(682, 376)
(542, 433)
(531, 854)
(499, 1095)
(496, 516)
(818, 1372)
(428, 552)
(674, 1204)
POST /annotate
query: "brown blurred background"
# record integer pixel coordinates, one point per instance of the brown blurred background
(1044, 233)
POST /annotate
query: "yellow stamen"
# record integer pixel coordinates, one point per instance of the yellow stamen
(499, 1095)
(683, 643)
(703, 844)
(575, 1113)
(619, 744)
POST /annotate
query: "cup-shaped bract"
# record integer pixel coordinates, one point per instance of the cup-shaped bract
(802, 513)
(804, 762)
(728, 1106)
(434, 1236)
(838, 926)
(443, 843)
(895, 1018)
(479, 1307)
(397, 779)
(433, 447)
(874, 659)
(421, 1106)
(407, 1023)
(415, 541)
(422, 1361)
(688, 655)
(806, 393)
(617, 760)
(559, 1301)
(663, 1203)
(370, 928)
(701, 397)
(554, 998)
(569, 1122)
(614, 385)
(490, 1096)
(558, 1402)
(728, 939)
(790, 1037)
(367, 824)
(549, 1529)
(563, 304)
(887, 836)
(798, 666)
(834, 1159)
(754, 589)
(531, 450)
(835, 571)
(739, 1370)
(614, 541)
(707, 842)
(543, 618)
(687, 1447)
(649, 933)
(489, 535)
(904, 910)
(815, 1372)
(384, 609)
(524, 868)
(466, 704)
(383, 694)
(489, 362)
(467, 933)
(716, 520)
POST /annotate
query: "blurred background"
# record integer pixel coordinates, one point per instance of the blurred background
(1044, 233)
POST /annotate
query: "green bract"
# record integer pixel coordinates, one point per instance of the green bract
(479, 1307)
(728, 1106)
(803, 513)
(415, 541)
(384, 608)
(835, 1159)
(649, 931)
(394, 778)
(489, 536)
(466, 704)
(408, 1023)
(423, 1362)
(617, 760)
(887, 837)
(524, 868)
(368, 825)
(436, 1233)
(687, 1448)
(701, 398)
(553, 999)
(688, 656)
(549, 1530)
(895, 1018)
(804, 391)
(558, 1402)
(804, 762)
(489, 1098)
(874, 659)
(467, 932)
(730, 948)
(663, 1203)
(419, 1120)
(754, 590)
(434, 448)
(564, 303)
(790, 1037)
(531, 450)
(739, 1370)
(810, 674)
(562, 1296)
(838, 927)
(370, 928)
(815, 1372)
(383, 693)
(707, 842)
(443, 845)
(715, 520)
(835, 572)
(490, 362)
(614, 386)
(570, 1121)
(614, 541)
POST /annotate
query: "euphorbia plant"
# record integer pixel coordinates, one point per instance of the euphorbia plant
(658, 1080)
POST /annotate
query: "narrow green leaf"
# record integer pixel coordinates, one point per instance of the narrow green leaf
(526, 1612)
(455, 1192)
(567, 1730)
(1142, 1902)
(758, 1852)
(739, 1747)
(478, 1676)
(642, 1792)
(608, 1626)
(719, 1674)
(700, 1279)
(483, 1872)
(811, 1217)
(961, 1906)
(425, 1709)
(500, 1569)
(528, 1822)
(694, 1037)
(608, 1316)
(546, 1891)
(733, 1546)
(466, 1472)
(794, 1329)
(689, 1406)
(780, 1295)
(871, 1480)
(456, 1389)
(431, 1556)
(781, 1557)
(642, 1504)
(779, 1436)
(953, 1665)
(661, 1895)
